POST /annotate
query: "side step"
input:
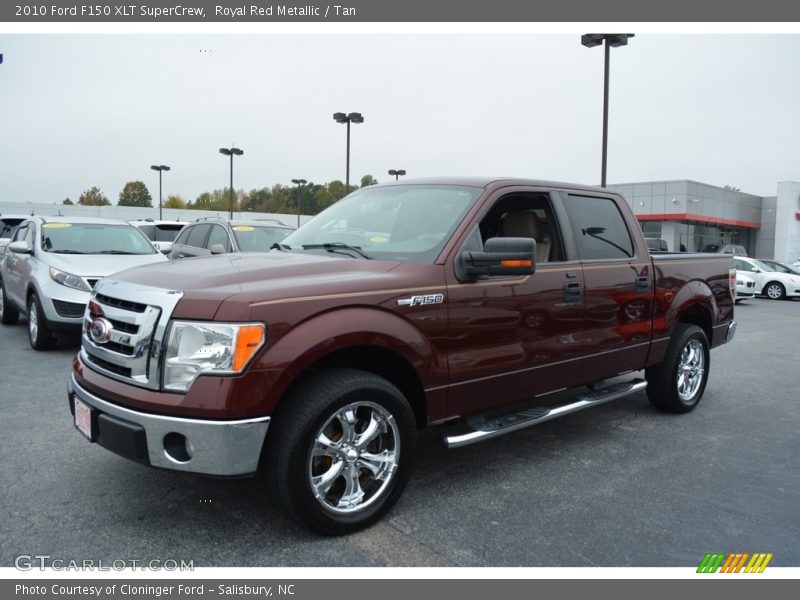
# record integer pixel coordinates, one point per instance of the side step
(484, 429)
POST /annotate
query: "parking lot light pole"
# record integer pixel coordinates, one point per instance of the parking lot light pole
(231, 152)
(612, 40)
(299, 182)
(397, 173)
(160, 169)
(352, 117)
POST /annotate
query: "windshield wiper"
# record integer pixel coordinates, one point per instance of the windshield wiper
(66, 252)
(117, 252)
(279, 246)
(337, 247)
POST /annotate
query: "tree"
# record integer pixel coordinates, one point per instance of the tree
(367, 180)
(174, 201)
(93, 197)
(67, 201)
(135, 194)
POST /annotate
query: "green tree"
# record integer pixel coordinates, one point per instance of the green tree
(338, 189)
(367, 180)
(67, 201)
(135, 194)
(174, 201)
(93, 197)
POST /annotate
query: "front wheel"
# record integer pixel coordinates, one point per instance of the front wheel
(677, 383)
(8, 314)
(39, 334)
(774, 291)
(340, 450)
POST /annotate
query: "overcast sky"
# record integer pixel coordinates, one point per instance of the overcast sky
(81, 111)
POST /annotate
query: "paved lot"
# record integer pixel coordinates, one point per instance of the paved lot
(618, 485)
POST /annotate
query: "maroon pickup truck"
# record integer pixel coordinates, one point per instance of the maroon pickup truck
(482, 306)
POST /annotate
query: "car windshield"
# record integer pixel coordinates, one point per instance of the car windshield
(258, 238)
(94, 238)
(409, 223)
(163, 232)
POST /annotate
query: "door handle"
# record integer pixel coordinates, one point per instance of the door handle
(642, 284)
(573, 292)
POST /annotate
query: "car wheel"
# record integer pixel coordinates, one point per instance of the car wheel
(677, 383)
(340, 451)
(8, 314)
(774, 291)
(39, 334)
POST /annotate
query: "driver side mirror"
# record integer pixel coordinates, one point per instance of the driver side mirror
(501, 256)
(20, 247)
(217, 249)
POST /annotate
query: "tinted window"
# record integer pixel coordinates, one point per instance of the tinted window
(600, 229)
(181, 239)
(219, 236)
(258, 239)
(197, 235)
(166, 232)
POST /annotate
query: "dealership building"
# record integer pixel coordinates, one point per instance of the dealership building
(690, 215)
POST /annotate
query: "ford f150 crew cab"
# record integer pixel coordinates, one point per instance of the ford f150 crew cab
(482, 305)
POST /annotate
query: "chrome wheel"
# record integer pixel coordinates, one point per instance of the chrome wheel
(775, 291)
(690, 370)
(354, 457)
(33, 322)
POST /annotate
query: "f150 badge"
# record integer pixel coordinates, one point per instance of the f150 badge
(421, 300)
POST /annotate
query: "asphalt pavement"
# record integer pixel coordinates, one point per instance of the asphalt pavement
(618, 485)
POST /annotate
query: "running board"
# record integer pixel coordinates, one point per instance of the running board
(484, 429)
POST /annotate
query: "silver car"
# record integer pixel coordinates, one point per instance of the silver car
(49, 268)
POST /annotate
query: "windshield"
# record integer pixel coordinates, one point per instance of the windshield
(258, 238)
(94, 238)
(409, 223)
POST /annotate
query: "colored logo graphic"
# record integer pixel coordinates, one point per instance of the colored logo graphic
(735, 562)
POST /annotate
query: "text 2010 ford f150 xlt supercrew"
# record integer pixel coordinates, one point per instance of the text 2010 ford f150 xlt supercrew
(487, 305)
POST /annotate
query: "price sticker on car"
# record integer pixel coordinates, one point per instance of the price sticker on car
(243, 228)
(83, 418)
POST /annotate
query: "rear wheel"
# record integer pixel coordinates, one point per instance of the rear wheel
(39, 334)
(677, 383)
(340, 451)
(8, 314)
(775, 291)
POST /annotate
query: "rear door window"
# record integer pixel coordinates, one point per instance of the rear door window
(197, 235)
(600, 229)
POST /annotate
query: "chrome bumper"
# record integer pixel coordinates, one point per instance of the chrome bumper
(207, 447)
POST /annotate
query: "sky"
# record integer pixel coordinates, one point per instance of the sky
(97, 110)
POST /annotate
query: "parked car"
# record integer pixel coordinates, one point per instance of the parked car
(161, 233)
(403, 305)
(734, 249)
(50, 266)
(219, 236)
(770, 283)
(8, 224)
(656, 244)
(745, 287)
(780, 267)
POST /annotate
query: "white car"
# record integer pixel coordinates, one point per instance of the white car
(769, 283)
(745, 287)
(160, 233)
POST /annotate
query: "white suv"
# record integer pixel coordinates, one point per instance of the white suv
(160, 233)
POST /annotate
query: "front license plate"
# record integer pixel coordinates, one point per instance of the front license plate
(83, 418)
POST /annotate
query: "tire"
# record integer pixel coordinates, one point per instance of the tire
(774, 291)
(39, 334)
(8, 314)
(316, 466)
(677, 383)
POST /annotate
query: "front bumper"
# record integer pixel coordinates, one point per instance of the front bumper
(222, 448)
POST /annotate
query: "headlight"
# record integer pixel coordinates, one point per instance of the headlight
(69, 280)
(195, 348)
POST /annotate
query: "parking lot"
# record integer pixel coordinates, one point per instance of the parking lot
(618, 485)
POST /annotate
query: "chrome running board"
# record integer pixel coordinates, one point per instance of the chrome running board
(482, 428)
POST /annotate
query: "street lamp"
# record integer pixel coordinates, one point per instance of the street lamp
(159, 168)
(353, 117)
(231, 152)
(612, 40)
(299, 182)
(397, 173)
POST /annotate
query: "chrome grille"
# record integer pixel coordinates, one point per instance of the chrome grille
(132, 348)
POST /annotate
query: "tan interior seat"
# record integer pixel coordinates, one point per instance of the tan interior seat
(524, 223)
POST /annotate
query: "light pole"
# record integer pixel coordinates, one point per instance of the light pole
(160, 169)
(299, 182)
(353, 117)
(397, 173)
(612, 40)
(231, 152)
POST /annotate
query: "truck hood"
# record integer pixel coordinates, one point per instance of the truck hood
(207, 281)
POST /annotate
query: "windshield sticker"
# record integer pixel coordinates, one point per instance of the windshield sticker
(379, 239)
(55, 225)
(243, 228)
